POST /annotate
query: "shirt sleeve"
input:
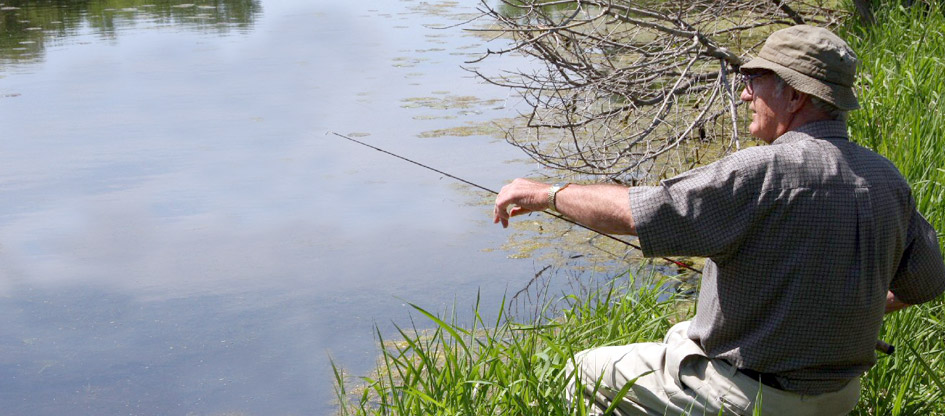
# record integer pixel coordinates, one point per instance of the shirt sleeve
(703, 212)
(921, 273)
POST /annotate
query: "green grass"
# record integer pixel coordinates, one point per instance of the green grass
(512, 368)
(902, 94)
(504, 367)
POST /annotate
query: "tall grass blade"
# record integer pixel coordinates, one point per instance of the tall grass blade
(446, 327)
(935, 377)
(623, 393)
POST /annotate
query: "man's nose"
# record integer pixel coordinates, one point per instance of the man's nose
(746, 96)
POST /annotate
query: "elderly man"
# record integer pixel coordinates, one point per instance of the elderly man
(809, 240)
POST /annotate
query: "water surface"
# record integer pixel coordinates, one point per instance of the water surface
(178, 232)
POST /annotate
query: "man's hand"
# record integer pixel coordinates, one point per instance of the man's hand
(520, 197)
(893, 303)
(604, 208)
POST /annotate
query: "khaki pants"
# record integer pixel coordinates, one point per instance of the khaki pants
(685, 381)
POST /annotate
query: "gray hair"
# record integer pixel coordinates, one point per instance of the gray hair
(823, 106)
(829, 109)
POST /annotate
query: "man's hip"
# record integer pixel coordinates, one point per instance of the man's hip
(678, 378)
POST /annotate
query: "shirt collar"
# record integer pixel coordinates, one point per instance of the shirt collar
(834, 129)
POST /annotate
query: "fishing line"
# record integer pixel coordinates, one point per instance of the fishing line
(477, 186)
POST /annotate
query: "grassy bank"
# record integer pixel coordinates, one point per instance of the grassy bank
(505, 367)
(515, 368)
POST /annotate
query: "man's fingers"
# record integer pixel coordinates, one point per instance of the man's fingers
(499, 214)
(497, 218)
(517, 210)
(522, 196)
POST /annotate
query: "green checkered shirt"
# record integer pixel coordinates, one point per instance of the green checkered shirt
(804, 236)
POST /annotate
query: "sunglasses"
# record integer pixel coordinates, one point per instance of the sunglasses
(748, 78)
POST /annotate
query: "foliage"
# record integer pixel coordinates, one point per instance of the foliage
(902, 95)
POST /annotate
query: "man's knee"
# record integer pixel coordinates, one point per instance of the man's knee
(580, 366)
(613, 366)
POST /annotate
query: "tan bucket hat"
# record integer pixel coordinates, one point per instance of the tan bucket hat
(813, 60)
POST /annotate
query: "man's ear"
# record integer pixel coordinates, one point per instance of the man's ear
(796, 99)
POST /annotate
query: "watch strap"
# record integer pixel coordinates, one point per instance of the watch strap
(553, 193)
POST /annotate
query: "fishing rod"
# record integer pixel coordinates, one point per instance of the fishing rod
(477, 186)
(881, 346)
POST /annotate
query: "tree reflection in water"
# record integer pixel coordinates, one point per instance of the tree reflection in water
(28, 27)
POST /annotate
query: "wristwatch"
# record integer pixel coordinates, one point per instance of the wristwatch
(552, 192)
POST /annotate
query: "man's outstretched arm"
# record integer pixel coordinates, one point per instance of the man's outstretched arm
(605, 208)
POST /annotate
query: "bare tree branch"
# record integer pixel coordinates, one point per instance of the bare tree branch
(634, 91)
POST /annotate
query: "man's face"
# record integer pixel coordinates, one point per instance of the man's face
(770, 116)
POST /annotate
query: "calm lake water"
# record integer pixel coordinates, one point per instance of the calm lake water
(180, 235)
